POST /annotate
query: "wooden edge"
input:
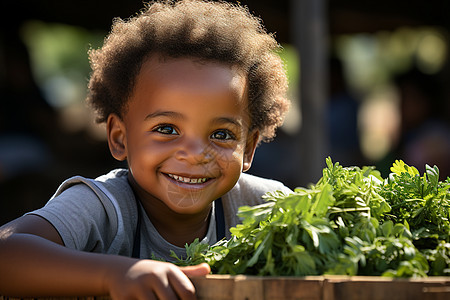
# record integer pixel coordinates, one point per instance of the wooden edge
(242, 287)
(235, 287)
(330, 278)
(328, 287)
(431, 279)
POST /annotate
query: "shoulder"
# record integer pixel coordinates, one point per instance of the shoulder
(89, 199)
(259, 184)
(252, 188)
(109, 193)
(114, 181)
(114, 175)
(90, 213)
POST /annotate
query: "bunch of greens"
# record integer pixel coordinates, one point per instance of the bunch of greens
(352, 222)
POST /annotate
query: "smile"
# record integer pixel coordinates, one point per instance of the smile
(187, 179)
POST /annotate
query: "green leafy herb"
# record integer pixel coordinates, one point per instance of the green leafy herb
(351, 222)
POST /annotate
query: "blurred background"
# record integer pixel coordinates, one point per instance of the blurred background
(369, 83)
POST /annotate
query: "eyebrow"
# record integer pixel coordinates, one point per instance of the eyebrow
(160, 113)
(177, 115)
(222, 120)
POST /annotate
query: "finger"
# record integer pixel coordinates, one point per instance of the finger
(197, 270)
(182, 286)
(163, 288)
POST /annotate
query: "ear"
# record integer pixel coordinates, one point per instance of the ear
(116, 133)
(252, 143)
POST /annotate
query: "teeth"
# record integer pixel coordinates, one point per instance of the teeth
(187, 179)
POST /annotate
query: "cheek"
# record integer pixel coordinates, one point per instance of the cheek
(145, 158)
(230, 160)
(144, 147)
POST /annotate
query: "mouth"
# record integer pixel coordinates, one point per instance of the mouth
(188, 180)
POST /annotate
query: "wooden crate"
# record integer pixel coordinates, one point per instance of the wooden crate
(320, 288)
(226, 287)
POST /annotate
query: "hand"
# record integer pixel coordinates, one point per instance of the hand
(148, 279)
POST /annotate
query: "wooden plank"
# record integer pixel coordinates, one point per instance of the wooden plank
(293, 288)
(248, 288)
(226, 287)
(377, 288)
(436, 292)
(258, 288)
(320, 288)
(218, 287)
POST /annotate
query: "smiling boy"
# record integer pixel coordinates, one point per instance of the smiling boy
(187, 90)
(187, 144)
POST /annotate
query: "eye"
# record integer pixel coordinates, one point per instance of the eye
(223, 135)
(165, 129)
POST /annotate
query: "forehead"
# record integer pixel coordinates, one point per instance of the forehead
(190, 87)
(193, 73)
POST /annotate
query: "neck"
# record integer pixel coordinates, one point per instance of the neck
(178, 229)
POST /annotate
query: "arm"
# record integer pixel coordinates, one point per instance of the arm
(34, 262)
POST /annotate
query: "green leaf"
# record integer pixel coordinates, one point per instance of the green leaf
(400, 167)
(432, 175)
(351, 222)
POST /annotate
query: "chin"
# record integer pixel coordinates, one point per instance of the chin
(187, 204)
(188, 201)
(185, 209)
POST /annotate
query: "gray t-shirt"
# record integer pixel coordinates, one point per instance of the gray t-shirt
(101, 215)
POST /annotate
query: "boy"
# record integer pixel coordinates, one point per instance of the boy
(187, 90)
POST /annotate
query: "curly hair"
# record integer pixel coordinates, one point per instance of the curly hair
(214, 31)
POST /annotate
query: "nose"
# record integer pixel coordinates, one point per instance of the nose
(195, 151)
